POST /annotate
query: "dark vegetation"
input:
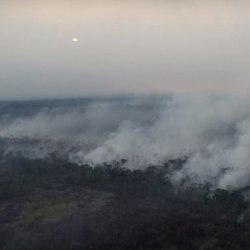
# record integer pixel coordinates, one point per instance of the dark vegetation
(53, 204)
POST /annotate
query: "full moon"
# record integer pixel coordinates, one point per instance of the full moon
(75, 40)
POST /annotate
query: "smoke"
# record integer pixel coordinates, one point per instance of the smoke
(70, 130)
(212, 131)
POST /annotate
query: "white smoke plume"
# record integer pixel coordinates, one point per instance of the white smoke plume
(213, 131)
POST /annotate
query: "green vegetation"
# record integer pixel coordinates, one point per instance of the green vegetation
(52, 204)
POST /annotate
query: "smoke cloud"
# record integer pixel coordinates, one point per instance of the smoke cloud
(212, 131)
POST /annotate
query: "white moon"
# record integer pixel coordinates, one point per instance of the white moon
(75, 40)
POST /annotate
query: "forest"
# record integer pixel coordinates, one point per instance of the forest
(54, 204)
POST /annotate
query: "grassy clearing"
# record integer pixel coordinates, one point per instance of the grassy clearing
(52, 206)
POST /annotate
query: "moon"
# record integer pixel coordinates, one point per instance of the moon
(75, 40)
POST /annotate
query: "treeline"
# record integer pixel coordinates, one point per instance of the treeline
(146, 211)
(19, 175)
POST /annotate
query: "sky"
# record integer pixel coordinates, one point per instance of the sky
(124, 47)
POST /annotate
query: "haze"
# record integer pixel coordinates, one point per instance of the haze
(124, 47)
